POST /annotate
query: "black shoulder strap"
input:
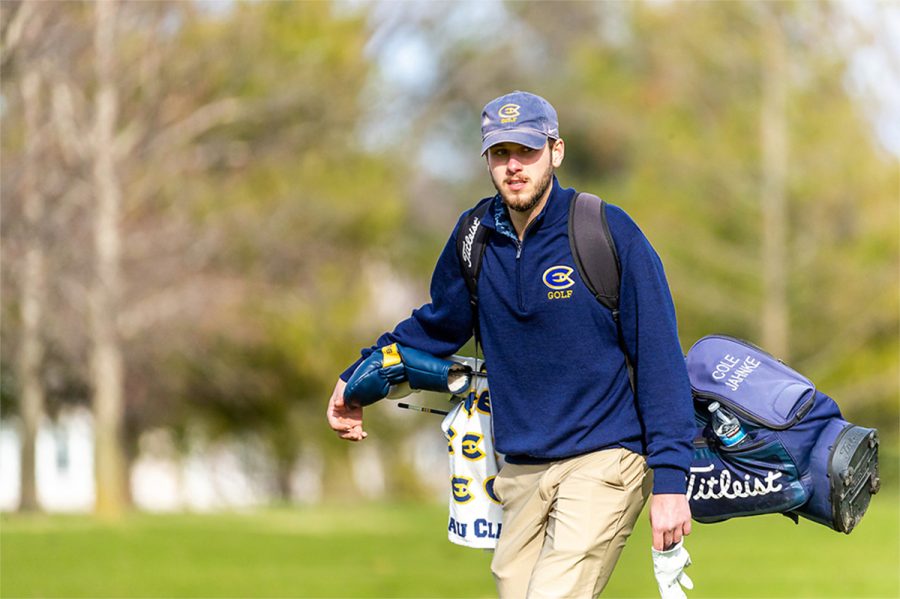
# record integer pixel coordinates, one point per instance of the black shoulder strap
(471, 240)
(594, 250)
(596, 259)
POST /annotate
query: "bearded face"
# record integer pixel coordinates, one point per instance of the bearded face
(520, 174)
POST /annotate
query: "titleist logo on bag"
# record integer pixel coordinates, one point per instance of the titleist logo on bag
(467, 241)
(720, 484)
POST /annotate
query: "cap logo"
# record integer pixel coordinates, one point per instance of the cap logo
(509, 113)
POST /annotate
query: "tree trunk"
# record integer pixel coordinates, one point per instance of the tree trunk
(774, 141)
(107, 375)
(31, 348)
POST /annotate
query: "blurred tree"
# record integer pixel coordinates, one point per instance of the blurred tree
(35, 192)
(33, 294)
(106, 373)
(774, 169)
(22, 32)
(708, 118)
(306, 218)
(221, 150)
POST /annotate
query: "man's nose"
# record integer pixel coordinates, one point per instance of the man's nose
(513, 165)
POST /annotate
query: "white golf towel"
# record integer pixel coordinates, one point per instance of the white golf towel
(475, 513)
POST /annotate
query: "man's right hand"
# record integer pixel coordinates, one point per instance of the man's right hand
(345, 420)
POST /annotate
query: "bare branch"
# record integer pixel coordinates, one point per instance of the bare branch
(72, 140)
(74, 198)
(220, 112)
(13, 31)
(128, 138)
(185, 301)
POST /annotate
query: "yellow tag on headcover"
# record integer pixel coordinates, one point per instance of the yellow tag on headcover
(391, 356)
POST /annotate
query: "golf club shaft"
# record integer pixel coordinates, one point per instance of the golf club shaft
(407, 406)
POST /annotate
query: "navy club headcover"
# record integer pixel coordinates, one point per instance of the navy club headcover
(393, 365)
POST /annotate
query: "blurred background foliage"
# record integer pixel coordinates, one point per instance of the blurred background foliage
(288, 172)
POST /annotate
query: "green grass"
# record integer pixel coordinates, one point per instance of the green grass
(402, 551)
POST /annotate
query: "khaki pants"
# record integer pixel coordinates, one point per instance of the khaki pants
(565, 523)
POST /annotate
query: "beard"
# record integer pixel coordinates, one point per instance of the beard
(515, 202)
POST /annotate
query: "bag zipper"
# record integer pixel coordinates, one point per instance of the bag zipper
(751, 346)
(520, 243)
(753, 418)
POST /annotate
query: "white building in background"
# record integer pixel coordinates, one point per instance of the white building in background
(209, 476)
(64, 468)
(216, 476)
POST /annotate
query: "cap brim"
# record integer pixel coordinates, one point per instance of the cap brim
(530, 138)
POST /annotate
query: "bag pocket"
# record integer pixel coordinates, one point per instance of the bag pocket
(756, 386)
(757, 477)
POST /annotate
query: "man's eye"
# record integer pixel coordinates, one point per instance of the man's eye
(499, 152)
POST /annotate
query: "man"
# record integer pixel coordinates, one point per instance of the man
(572, 429)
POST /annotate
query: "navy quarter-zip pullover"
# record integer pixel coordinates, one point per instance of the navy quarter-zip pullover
(558, 380)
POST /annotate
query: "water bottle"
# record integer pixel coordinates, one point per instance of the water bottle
(726, 426)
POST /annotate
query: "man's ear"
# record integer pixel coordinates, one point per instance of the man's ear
(557, 153)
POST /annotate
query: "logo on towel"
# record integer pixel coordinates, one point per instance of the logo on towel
(489, 489)
(460, 487)
(483, 403)
(450, 434)
(470, 446)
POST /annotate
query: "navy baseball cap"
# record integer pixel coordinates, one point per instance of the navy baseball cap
(518, 117)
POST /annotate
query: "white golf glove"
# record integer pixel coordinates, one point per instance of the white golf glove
(668, 566)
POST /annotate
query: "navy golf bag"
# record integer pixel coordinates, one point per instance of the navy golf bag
(799, 456)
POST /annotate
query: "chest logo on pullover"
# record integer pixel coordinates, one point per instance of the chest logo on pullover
(559, 280)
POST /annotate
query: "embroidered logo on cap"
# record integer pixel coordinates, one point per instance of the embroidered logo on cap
(509, 113)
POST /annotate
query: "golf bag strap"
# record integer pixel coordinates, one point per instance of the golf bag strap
(593, 249)
(471, 239)
(595, 257)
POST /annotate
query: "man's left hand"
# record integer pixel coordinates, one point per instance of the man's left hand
(670, 519)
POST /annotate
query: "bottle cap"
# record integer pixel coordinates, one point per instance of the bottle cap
(713, 406)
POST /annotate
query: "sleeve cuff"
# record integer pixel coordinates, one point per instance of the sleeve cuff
(669, 481)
